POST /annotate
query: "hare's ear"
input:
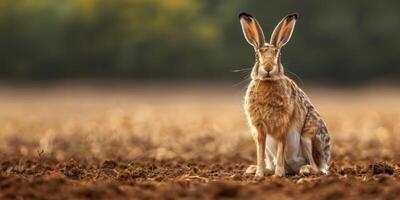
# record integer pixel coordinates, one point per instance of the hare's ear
(283, 31)
(252, 30)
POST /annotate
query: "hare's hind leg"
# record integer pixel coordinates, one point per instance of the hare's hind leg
(315, 143)
(312, 150)
(307, 147)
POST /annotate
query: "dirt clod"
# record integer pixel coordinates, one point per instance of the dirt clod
(381, 168)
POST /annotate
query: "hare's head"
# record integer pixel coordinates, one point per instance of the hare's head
(268, 55)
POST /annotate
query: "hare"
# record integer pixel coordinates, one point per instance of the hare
(289, 133)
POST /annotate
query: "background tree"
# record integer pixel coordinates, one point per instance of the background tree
(339, 41)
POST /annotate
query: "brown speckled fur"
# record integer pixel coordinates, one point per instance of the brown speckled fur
(274, 104)
(279, 105)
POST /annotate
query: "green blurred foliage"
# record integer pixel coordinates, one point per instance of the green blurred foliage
(341, 41)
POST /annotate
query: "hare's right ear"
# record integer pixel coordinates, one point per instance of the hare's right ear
(283, 31)
(252, 30)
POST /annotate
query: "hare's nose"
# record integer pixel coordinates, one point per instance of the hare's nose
(269, 72)
(268, 69)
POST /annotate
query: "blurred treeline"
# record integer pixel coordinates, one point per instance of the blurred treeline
(193, 39)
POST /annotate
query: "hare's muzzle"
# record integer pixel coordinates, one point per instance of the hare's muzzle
(267, 71)
(268, 66)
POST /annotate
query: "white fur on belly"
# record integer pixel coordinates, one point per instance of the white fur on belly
(294, 158)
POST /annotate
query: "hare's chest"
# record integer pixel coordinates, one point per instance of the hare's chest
(267, 106)
(269, 109)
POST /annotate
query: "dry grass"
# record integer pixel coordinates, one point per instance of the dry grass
(183, 123)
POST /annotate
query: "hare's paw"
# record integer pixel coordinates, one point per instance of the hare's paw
(269, 172)
(260, 172)
(279, 172)
(307, 170)
(325, 169)
(252, 169)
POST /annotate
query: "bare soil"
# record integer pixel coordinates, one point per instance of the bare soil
(58, 144)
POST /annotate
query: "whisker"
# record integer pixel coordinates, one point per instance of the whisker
(242, 69)
(297, 77)
(237, 84)
(246, 78)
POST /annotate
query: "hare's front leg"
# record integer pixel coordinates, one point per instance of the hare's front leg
(280, 159)
(260, 139)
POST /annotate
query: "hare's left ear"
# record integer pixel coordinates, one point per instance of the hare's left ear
(283, 31)
(252, 30)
